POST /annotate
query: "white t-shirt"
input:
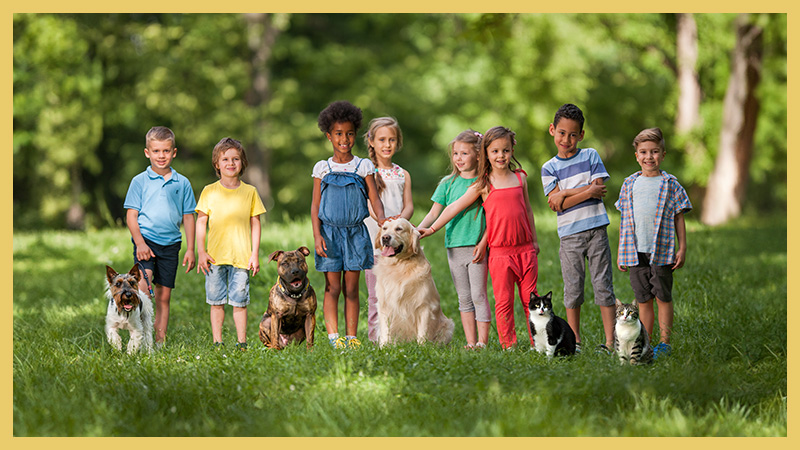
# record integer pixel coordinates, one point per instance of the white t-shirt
(365, 168)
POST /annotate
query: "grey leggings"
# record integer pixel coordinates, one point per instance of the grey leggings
(470, 282)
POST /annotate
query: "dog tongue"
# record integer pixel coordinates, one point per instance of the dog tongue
(128, 307)
(296, 284)
(387, 251)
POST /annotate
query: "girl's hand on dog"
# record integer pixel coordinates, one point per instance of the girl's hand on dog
(203, 262)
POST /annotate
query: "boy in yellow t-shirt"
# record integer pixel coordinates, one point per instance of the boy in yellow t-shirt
(230, 208)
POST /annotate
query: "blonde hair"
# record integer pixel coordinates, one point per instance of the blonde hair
(222, 146)
(650, 135)
(159, 134)
(470, 137)
(484, 167)
(373, 127)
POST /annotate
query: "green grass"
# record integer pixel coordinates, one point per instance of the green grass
(727, 375)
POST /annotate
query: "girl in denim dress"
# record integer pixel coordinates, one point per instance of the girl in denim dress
(343, 184)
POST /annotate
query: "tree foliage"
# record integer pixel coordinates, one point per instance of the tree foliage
(87, 87)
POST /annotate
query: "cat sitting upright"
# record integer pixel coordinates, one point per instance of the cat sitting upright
(552, 335)
(631, 341)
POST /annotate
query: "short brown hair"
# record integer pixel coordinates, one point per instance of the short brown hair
(226, 144)
(650, 135)
(159, 134)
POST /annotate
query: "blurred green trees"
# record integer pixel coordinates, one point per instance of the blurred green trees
(87, 87)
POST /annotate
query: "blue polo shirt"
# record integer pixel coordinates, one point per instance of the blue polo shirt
(161, 204)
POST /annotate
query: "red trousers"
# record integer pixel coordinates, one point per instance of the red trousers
(509, 266)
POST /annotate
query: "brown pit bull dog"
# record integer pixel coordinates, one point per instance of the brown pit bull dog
(292, 303)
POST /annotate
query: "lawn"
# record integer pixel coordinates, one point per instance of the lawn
(727, 375)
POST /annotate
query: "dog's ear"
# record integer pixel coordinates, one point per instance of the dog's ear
(304, 250)
(136, 272)
(274, 255)
(110, 273)
(414, 240)
(378, 237)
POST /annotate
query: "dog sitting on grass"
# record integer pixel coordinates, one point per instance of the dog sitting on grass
(128, 309)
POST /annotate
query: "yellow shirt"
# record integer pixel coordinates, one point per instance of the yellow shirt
(229, 212)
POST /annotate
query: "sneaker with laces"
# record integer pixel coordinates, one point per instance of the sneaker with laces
(602, 348)
(353, 342)
(577, 347)
(662, 349)
(339, 342)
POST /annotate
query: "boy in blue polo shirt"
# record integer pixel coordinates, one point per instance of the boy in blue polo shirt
(573, 182)
(158, 200)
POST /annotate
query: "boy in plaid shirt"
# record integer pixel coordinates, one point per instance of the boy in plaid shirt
(652, 203)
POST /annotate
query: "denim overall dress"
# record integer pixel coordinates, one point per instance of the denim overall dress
(342, 210)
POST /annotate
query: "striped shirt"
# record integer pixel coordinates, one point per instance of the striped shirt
(579, 170)
(672, 200)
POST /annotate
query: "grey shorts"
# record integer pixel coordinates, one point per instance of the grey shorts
(651, 281)
(574, 251)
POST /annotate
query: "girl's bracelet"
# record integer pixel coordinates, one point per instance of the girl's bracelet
(433, 230)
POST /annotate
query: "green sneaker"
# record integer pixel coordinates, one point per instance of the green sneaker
(353, 342)
(339, 342)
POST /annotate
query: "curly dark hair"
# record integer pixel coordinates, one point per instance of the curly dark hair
(339, 111)
(569, 111)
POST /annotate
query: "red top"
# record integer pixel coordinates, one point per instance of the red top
(507, 222)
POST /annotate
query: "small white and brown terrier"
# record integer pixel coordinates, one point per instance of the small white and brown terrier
(128, 309)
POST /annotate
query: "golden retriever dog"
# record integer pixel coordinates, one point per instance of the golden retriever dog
(408, 302)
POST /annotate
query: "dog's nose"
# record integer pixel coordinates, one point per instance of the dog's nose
(386, 240)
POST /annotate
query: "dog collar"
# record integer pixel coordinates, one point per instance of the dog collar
(294, 296)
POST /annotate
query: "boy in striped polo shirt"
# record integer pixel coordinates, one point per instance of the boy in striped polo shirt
(573, 182)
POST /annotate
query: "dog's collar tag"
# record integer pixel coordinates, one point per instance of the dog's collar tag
(294, 296)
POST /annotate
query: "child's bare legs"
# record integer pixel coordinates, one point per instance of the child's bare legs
(330, 303)
(483, 332)
(665, 316)
(351, 306)
(468, 323)
(608, 314)
(163, 294)
(574, 321)
(647, 316)
(240, 321)
(217, 317)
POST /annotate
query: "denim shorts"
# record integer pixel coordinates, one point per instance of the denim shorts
(165, 264)
(349, 249)
(227, 284)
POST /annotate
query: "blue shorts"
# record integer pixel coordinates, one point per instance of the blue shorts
(164, 266)
(349, 249)
(227, 285)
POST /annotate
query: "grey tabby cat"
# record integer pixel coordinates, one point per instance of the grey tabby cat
(631, 340)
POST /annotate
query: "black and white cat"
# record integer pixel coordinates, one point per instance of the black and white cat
(631, 341)
(551, 334)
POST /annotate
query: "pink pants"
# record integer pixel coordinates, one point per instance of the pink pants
(509, 266)
(372, 306)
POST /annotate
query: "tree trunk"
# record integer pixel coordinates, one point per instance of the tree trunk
(728, 180)
(689, 101)
(262, 34)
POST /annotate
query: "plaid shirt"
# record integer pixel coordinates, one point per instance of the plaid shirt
(672, 200)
